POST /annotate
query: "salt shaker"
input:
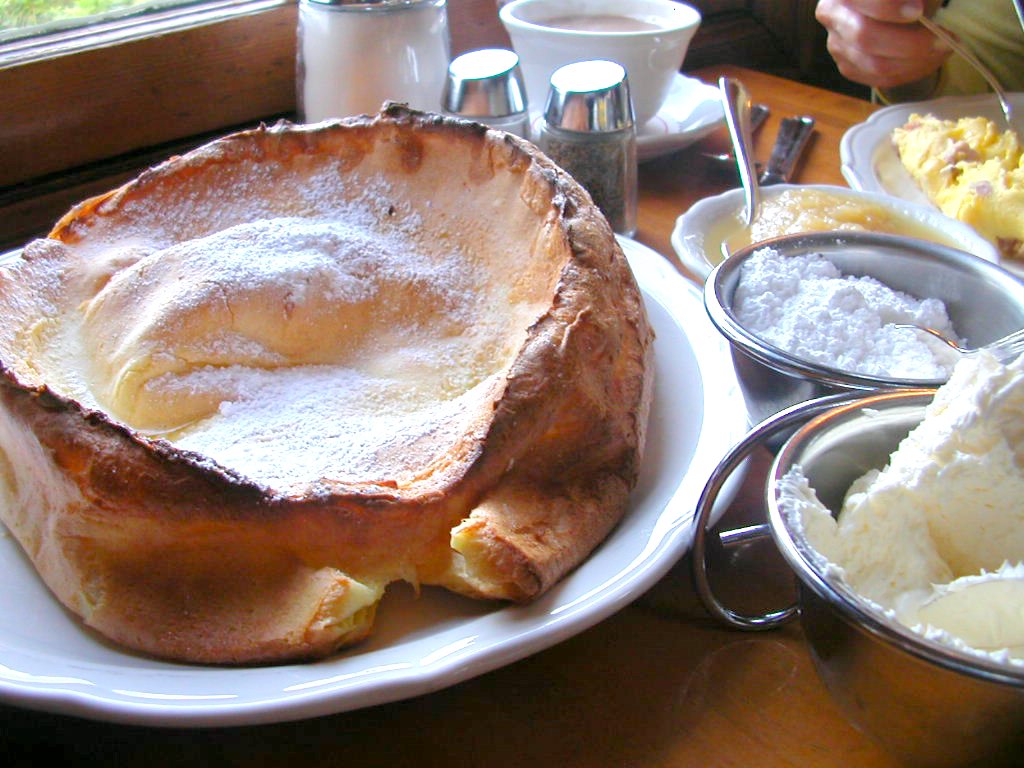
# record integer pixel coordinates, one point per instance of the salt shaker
(487, 86)
(355, 54)
(589, 130)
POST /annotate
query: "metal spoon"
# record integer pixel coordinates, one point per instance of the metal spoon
(970, 58)
(1005, 350)
(736, 103)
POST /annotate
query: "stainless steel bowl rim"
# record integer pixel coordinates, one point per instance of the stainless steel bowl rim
(840, 597)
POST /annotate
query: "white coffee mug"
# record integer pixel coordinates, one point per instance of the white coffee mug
(647, 37)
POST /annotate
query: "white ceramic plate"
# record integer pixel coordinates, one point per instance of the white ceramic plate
(869, 159)
(48, 661)
(692, 110)
(697, 236)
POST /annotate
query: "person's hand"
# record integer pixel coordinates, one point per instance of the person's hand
(875, 42)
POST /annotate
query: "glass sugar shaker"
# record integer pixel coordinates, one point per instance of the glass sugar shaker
(588, 129)
(487, 86)
(353, 55)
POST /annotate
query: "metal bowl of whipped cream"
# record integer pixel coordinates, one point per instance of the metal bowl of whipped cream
(849, 344)
(929, 697)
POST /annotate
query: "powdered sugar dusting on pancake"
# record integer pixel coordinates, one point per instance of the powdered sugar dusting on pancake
(320, 339)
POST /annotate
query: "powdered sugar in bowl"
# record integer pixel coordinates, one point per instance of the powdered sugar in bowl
(818, 321)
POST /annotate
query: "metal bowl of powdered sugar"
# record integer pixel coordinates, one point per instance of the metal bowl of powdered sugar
(814, 314)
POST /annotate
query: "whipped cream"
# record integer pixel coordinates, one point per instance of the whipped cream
(937, 535)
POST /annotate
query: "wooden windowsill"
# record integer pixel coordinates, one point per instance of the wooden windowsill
(70, 110)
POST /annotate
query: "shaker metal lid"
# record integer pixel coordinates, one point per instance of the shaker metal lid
(485, 83)
(589, 96)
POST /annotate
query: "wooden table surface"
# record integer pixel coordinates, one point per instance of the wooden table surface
(657, 684)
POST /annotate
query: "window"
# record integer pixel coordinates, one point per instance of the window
(20, 19)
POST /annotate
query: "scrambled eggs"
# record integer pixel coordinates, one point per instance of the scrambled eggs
(972, 171)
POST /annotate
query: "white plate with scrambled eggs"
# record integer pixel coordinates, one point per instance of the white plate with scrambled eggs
(967, 134)
(50, 662)
(868, 156)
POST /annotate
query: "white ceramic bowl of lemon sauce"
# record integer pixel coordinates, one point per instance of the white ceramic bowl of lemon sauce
(699, 233)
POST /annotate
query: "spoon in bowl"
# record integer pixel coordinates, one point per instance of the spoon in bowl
(758, 115)
(736, 103)
(1005, 349)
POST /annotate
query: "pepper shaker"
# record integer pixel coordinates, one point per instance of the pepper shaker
(487, 86)
(589, 130)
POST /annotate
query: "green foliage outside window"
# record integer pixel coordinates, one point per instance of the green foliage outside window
(27, 13)
(17, 14)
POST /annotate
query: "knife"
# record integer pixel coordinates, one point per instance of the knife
(794, 133)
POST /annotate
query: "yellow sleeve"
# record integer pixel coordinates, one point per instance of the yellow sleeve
(991, 30)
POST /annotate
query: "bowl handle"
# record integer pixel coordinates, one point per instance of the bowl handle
(789, 418)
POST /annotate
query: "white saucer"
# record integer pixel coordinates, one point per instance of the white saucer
(692, 110)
